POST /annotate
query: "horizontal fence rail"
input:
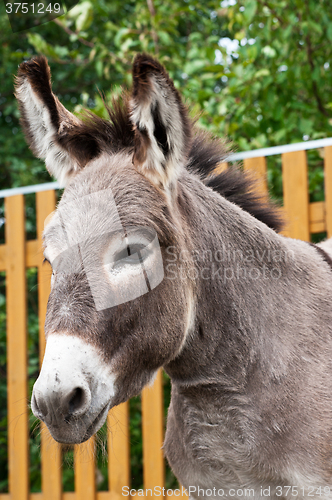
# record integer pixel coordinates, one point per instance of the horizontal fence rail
(17, 254)
(255, 153)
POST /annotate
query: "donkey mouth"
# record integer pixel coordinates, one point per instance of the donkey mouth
(77, 435)
(96, 424)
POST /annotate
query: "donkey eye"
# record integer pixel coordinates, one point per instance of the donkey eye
(126, 252)
(129, 255)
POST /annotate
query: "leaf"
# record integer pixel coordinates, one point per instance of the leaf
(92, 54)
(240, 35)
(85, 17)
(37, 42)
(315, 27)
(216, 68)
(193, 66)
(329, 31)
(99, 67)
(164, 37)
(306, 126)
(120, 34)
(262, 72)
(250, 10)
(269, 51)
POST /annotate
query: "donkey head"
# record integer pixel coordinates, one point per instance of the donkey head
(114, 316)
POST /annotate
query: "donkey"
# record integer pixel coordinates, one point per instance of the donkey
(159, 261)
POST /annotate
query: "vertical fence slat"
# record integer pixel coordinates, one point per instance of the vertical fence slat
(328, 189)
(258, 167)
(296, 198)
(118, 449)
(45, 205)
(50, 450)
(18, 452)
(85, 470)
(153, 434)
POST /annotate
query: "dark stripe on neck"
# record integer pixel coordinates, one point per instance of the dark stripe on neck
(324, 254)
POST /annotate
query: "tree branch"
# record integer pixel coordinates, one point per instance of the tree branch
(85, 42)
(310, 54)
(153, 31)
(70, 32)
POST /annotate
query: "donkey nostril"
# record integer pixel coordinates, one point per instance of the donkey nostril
(76, 401)
(34, 404)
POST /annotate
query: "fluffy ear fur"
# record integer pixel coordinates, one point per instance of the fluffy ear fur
(161, 124)
(52, 132)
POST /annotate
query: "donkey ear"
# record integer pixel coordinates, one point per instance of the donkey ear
(52, 132)
(161, 124)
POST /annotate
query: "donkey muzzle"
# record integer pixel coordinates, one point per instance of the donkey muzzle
(74, 390)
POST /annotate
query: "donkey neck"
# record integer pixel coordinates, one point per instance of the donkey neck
(238, 261)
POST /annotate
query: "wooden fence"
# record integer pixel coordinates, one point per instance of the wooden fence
(16, 255)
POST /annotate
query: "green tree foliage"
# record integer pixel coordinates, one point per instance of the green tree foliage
(279, 90)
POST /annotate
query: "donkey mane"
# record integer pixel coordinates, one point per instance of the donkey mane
(234, 184)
